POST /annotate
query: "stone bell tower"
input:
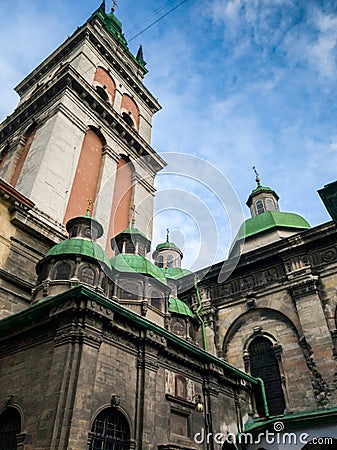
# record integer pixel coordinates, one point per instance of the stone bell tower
(82, 130)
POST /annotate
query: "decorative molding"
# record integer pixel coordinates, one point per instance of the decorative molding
(304, 287)
(249, 282)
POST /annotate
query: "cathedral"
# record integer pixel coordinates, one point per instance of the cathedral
(105, 346)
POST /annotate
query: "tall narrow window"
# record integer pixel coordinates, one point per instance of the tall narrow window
(263, 364)
(160, 261)
(10, 426)
(260, 207)
(270, 205)
(121, 205)
(88, 275)
(169, 260)
(86, 177)
(110, 430)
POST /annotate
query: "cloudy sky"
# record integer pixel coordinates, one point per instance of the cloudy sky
(241, 82)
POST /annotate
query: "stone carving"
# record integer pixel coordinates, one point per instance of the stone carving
(320, 387)
(249, 282)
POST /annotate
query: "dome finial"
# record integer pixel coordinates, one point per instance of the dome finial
(103, 6)
(167, 235)
(114, 5)
(257, 179)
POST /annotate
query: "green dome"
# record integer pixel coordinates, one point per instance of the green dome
(132, 231)
(174, 272)
(79, 246)
(177, 306)
(167, 245)
(260, 188)
(269, 220)
(130, 262)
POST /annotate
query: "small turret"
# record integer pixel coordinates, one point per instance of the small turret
(167, 254)
(267, 224)
(76, 260)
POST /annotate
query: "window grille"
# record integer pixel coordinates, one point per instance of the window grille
(264, 365)
(110, 431)
(10, 426)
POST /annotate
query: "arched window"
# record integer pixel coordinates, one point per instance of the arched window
(270, 204)
(128, 119)
(10, 427)
(178, 327)
(263, 364)
(180, 386)
(110, 430)
(129, 291)
(260, 207)
(105, 85)
(88, 275)
(130, 108)
(169, 260)
(63, 271)
(102, 93)
(160, 261)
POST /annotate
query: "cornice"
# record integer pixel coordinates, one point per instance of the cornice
(71, 80)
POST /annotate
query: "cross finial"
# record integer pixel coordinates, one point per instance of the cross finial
(257, 179)
(114, 5)
(167, 235)
(90, 206)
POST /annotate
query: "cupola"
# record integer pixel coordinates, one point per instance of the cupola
(267, 224)
(167, 254)
(77, 260)
(139, 284)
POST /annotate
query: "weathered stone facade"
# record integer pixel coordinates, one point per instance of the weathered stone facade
(63, 359)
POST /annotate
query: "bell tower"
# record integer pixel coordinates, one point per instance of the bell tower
(82, 130)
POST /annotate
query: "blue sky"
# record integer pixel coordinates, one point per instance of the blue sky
(241, 82)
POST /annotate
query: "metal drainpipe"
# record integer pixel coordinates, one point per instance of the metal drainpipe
(198, 315)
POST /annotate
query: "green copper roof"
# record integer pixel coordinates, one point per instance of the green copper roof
(78, 246)
(174, 272)
(114, 26)
(133, 230)
(129, 262)
(177, 306)
(269, 220)
(168, 245)
(260, 188)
